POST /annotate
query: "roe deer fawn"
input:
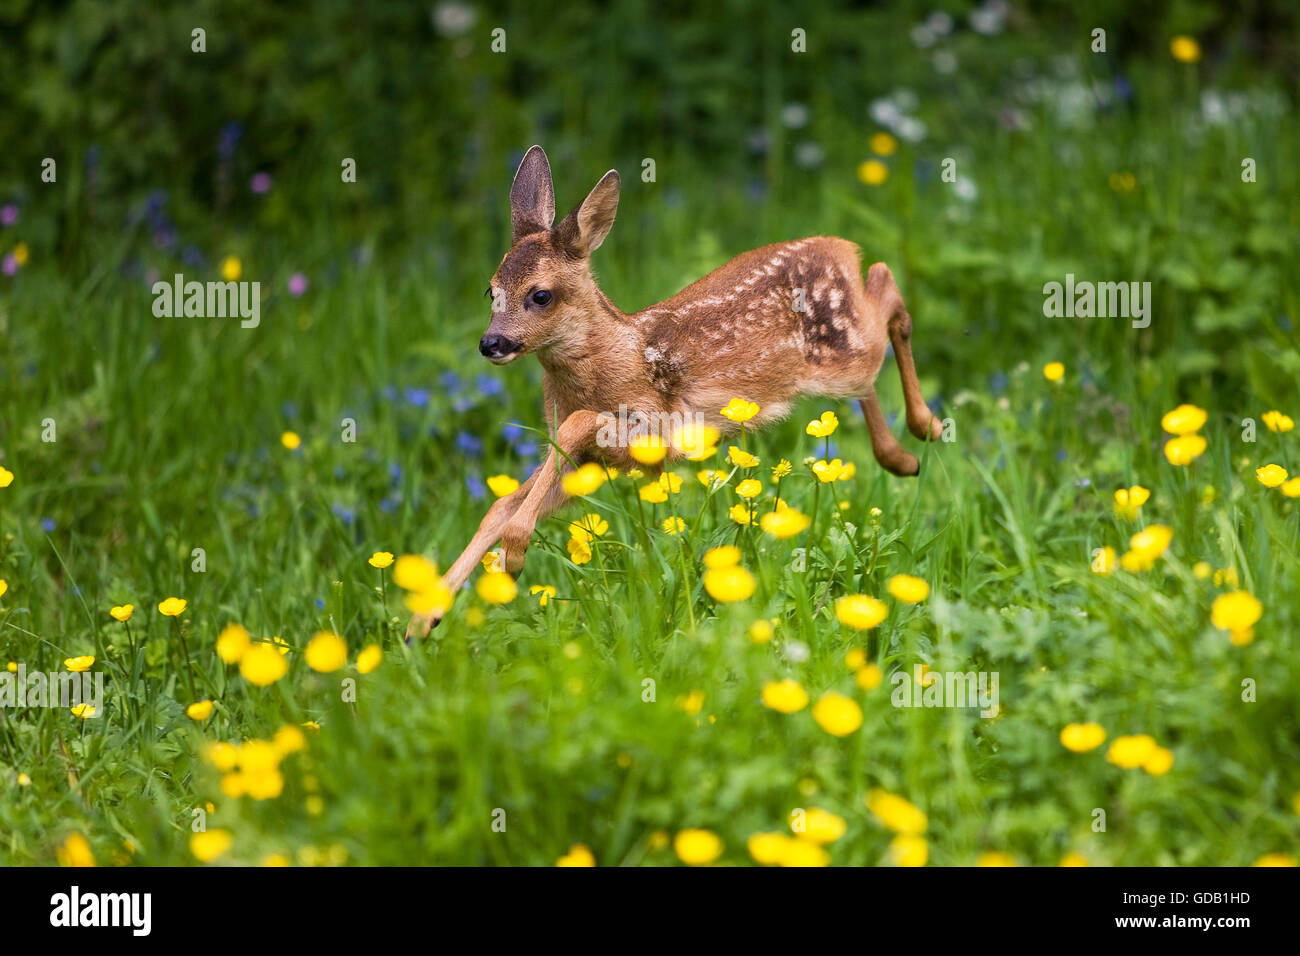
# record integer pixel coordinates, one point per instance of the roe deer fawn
(739, 332)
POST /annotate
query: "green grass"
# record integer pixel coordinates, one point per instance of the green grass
(168, 440)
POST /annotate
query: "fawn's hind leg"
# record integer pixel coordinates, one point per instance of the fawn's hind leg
(883, 291)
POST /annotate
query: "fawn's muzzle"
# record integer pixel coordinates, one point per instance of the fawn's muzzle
(498, 346)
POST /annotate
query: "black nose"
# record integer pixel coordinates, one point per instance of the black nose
(495, 346)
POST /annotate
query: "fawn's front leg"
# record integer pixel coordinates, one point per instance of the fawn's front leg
(488, 534)
(576, 434)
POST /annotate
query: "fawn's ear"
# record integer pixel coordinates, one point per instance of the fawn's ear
(583, 230)
(532, 197)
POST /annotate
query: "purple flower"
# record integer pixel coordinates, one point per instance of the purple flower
(297, 284)
(260, 183)
(10, 265)
(8, 214)
(476, 487)
(469, 444)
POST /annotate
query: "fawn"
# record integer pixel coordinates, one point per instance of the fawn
(739, 332)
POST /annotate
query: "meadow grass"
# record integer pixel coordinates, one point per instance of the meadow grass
(169, 439)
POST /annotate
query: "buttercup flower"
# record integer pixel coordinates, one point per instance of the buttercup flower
(426, 592)
(6, 477)
(579, 550)
(326, 652)
(828, 471)
(722, 557)
(496, 587)
(369, 658)
(84, 711)
(1129, 500)
(1103, 560)
(697, 847)
(1145, 547)
(578, 855)
(231, 269)
(1291, 487)
(882, 144)
(837, 714)
(741, 514)
(263, 665)
(589, 527)
(233, 643)
(545, 591)
(670, 482)
(122, 612)
(1183, 420)
(749, 488)
(1158, 762)
(1054, 371)
(784, 522)
(896, 813)
(741, 458)
(653, 493)
(210, 844)
(290, 440)
(873, 172)
(711, 477)
(908, 589)
(1274, 421)
(781, 469)
(1237, 612)
(729, 584)
(786, 696)
(1270, 476)
(1131, 751)
(860, 611)
(824, 426)
(739, 410)
(381, 559)
(820, 826)
(647, 449)
(79, 664)
(172, 607)
(585, 480)
(75, 851)
(673, 525)
(761, 631)
(1185, 49)
(502, 485)
(1081, 738)
(199, 710)
(869, 677)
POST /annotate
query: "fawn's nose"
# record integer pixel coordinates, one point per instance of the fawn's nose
(496, 346)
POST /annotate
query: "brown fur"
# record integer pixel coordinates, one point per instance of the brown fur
(734, 333)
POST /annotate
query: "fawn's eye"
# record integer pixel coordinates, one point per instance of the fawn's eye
(542, 297)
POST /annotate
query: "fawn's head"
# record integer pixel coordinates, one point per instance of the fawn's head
(543, 294)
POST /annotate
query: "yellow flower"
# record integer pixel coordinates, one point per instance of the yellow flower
(820, 826)
(263, 665)
(232, 643)
(749, 488)
(697, 847)
(426, 592)
(221, 755)
(786, 696)
(647, 449)
(579, 550)
(231, 269)
(769, 848)
(1074, 858)
(873, 172)
(326, 652)
(804, 853)
(75, 851)
(1291, 487)
(908, 589)
(1131, 751)
(210, 844)
(739, 410)
(781, 469)
(1237, 612)
(838, 715)
(84, 711)
(855, 658)
(6, 477)
(585, 480)
(723, 557)
(1158, 762)
(742, 459)
(122, 612)
(1276, 859)
(1129, 500)
(1270, 476)
(24, 780)
(274, 859)
(1226, 576)
(1185, 49)
(697, 442)
(692, 703)
(995, 858)
(1274, 421)
(709, 477)
(860, 611)
(674, 525)
(172, 607)
(784, 522)
(1184, 449)
(4, 586)
(1104, 563)
(828, 471)
(290, 440)
(1183, 420)
(545, 590)
(1202, 570)
(20, 253)
(496, 587)
(670, 482)
(578, 855)
(882, 144)
(909, 850)
(1054, 371)
(1123, 181)
(1145, 546)
(79, 664)
(199, 710)
(369, 658)
(741, 514)
(589, 527)
(896, 813)
(1081, 738)
(761, 631)
(502, 485)
(823, 427)
(729, 584)
(653, 492)
(869, 677)
(381, 559)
